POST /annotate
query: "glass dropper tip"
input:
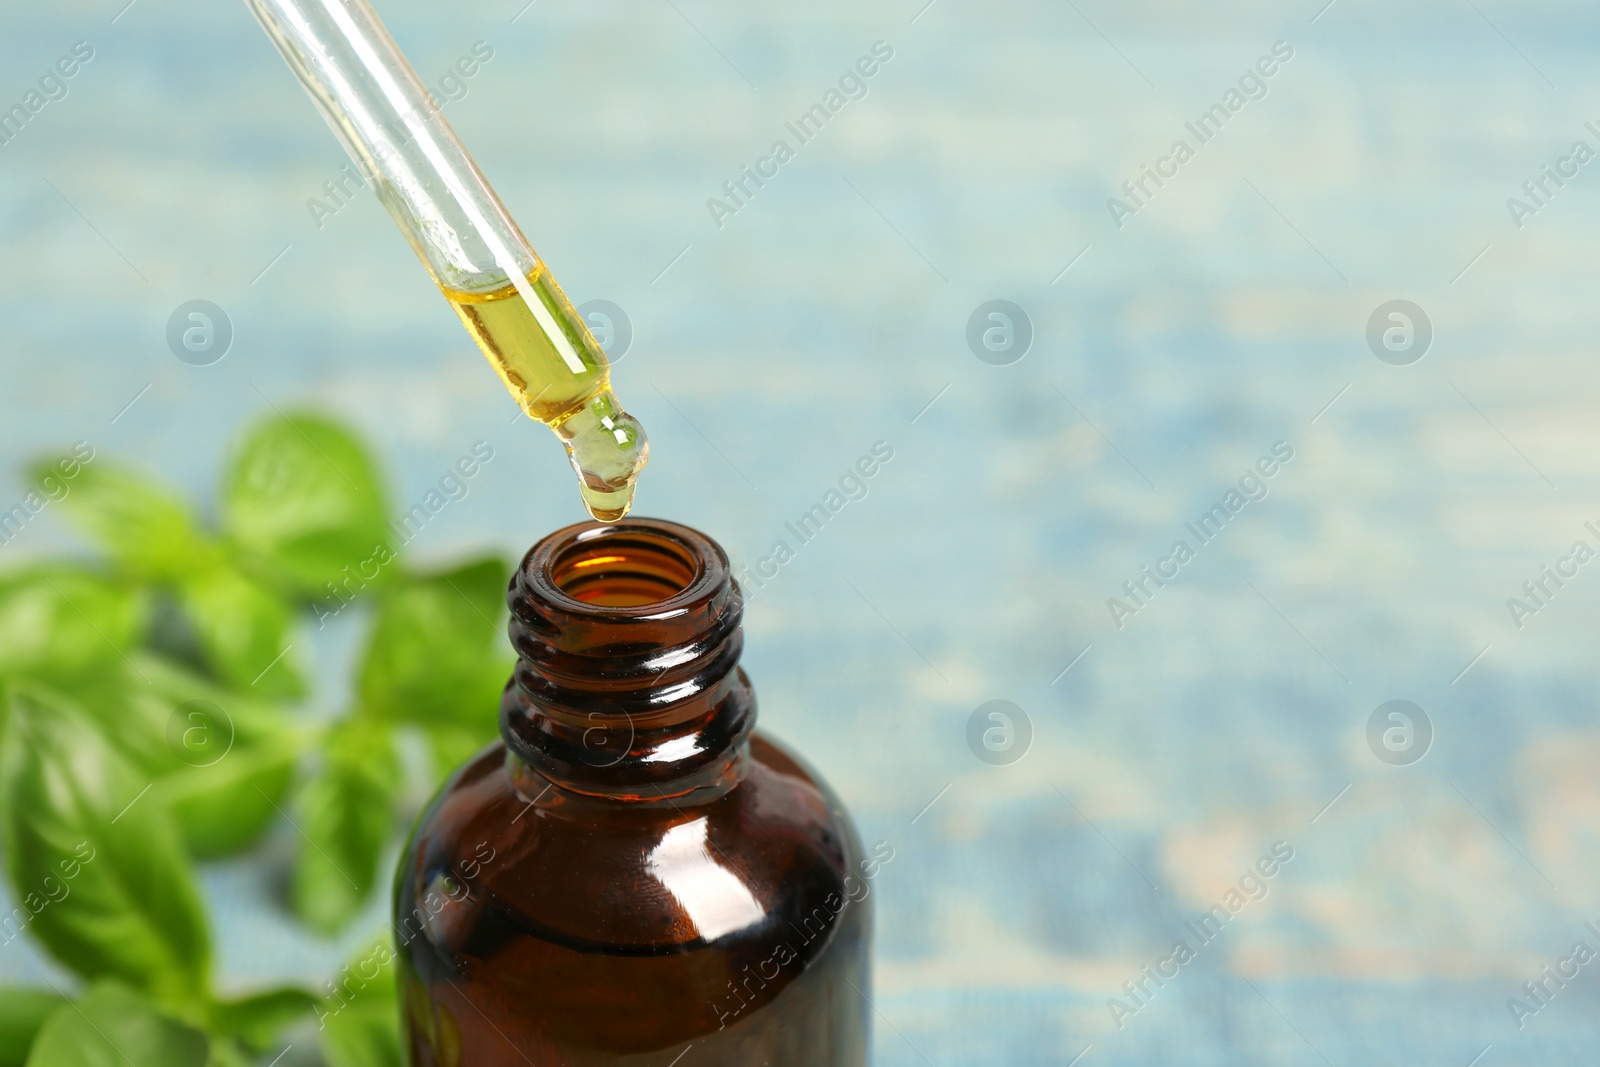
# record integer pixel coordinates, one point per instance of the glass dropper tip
(608, 448)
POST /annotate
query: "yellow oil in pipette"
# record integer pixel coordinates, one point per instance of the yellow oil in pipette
(570, 391)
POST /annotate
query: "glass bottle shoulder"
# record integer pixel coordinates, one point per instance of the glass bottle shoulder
(488, 864)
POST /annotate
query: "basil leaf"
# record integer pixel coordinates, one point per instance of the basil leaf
(438, 651)
(360, 1023)
(148, 529)
(112, 1027)
(60, 623)
(95, 863)
(363, 1036)
(243, 630)
(166, 719)
(22, 1014)
(226, 1053)
(253, 719)
(258, 1018)
(221, 760)
(345, 815)
(223, 808)
(301, 495)
(450, 746)
(128, 715)
(482, 583)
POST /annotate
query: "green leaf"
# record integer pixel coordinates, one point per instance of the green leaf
(112, 1027)
(360, 1023)
(225, 1052)
(345, 814)
(363, 1036)
(60, 623)
(243, 629)
(437, 653)
(22, 1014)
(256, 1019)
(482, 583)
(221, 759)
(166, 719)
(255, 720)
(451, 746)
(147, 528)
(301, 495)
(130, 714)
(95, 862)
(225, 807)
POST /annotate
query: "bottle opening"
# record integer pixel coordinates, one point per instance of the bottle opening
(627, 682)
(624, 567)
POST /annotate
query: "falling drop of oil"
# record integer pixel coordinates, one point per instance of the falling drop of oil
(607, 506)
(608, 449)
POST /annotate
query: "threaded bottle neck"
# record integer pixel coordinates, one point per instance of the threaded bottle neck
(627, 682)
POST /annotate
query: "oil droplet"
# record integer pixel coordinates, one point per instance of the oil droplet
(607, 506)
(608, 449)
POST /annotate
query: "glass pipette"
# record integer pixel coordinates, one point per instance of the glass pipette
(393, 129)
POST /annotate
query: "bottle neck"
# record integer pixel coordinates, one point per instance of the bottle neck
(627, 684)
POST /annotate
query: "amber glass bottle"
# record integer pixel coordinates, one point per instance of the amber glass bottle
(631, 875)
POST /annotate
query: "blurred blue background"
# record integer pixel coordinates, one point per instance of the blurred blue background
(830, 312)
